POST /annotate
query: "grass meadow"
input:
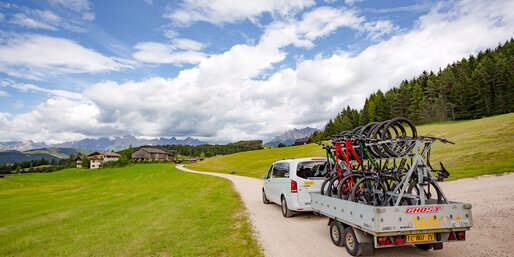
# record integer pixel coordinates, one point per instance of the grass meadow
(484, 146)
(140, 210)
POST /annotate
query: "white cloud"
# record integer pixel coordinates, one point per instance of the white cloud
(52, 92)
(153, 52)
(352, 2)
(37, 19)
(377, 29)
(79, 6)
(3, 93)
(36, 56)
(187, 44)
(221, 11)
(220, 100)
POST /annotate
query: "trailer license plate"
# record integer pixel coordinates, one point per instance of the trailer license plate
(420, 238)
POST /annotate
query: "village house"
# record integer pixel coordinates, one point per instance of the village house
(78, 162)
(147, 153)
(96, 159)
(301, 141)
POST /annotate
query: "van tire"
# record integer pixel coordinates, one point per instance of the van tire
(285, 210)
(264, 198)
(336, 230)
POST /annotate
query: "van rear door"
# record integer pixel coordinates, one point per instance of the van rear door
(310, 178)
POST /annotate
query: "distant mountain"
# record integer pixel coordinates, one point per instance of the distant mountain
(17, 156)
(62, 153)
(290, 136)
(100, 144)
(20, 145)
(13, 156)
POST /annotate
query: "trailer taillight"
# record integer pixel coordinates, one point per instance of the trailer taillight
(399, 241)
(384, 240)
(451, 237)
(461, 235)
(294, 186)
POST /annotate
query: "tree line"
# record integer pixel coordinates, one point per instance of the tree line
(472, 88)
(213, 150)
(35, 166)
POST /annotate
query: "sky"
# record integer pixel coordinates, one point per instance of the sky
(219, 70)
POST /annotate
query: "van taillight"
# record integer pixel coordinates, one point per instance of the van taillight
(294, 186)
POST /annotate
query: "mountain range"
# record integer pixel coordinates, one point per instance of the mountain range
(99, 144)
(14, 156)
(290, 136)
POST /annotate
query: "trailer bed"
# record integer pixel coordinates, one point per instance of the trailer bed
(400, 220)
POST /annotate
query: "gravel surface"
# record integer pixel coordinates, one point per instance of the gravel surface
(306, 234)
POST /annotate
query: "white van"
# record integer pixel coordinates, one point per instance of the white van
(289, 182)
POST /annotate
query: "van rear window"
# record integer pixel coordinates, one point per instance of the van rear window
(311, 169)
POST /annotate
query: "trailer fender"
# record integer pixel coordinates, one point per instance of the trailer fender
(363, 237)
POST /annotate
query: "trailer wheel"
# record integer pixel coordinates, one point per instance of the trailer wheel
(350, 241)
(285, 211)
(336, 233)
(264, 198)
(424, 247)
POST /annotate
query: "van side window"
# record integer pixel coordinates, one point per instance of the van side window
(269, 172)
(281, 170)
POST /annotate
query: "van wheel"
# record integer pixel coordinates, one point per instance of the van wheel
(264, 198)
(285, 211)
(336, 233)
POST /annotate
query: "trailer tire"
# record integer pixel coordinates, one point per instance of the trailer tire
(366, 249)
(264, 198)
(336, 230)
(285, 210)
(424, 247)
(350, 242)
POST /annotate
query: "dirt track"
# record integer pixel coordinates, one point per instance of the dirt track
(305, 234)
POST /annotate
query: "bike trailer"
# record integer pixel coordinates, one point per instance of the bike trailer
(424, 226)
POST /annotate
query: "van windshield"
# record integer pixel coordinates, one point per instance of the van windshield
(311, 169)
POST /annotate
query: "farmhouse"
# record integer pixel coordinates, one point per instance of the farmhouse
(147, 153)
(78, 162)
(96, 159)
(301, 141)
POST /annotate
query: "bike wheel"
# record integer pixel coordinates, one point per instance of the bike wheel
(432, 193)
(324, 184)
(345, 187)
(331, 189)
(369, 191)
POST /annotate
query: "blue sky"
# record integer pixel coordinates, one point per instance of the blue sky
(219, 70)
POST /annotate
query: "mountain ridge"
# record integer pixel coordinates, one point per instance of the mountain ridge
(99, 144)
(290, 136)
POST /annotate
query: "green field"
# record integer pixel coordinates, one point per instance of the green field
(140, 210)
(484, 146)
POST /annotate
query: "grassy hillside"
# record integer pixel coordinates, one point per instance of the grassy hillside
(38, 154)
(484, 146)
(256, 163)
(62, 153)
(141, 210)
(16, 156)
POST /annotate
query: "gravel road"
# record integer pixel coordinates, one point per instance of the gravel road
(306, 234)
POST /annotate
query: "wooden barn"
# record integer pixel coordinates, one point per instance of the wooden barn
(148, 153)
